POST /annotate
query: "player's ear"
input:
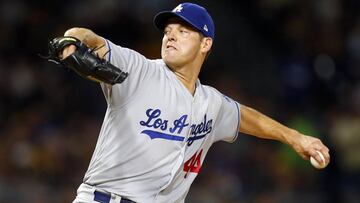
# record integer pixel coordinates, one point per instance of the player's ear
(206, 44)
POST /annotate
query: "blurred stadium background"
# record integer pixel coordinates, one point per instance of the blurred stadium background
(297, 61)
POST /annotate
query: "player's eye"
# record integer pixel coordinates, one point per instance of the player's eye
(167, 30)
(184, 32)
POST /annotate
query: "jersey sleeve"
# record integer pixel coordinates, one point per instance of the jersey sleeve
(129, 61)
(228, 120)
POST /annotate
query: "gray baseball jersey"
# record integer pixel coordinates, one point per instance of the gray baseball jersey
(155, 134)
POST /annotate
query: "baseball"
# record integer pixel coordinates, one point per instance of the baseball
(316, 164)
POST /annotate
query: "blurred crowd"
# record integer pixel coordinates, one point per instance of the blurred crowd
(297, 61)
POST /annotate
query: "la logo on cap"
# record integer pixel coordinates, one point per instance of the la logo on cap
(206, 28)
(178, 8)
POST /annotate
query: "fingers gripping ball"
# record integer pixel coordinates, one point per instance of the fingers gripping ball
(316, 164)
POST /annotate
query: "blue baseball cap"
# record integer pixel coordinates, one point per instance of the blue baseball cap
(197, 16)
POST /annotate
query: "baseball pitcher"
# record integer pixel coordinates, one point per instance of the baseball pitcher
(160, 120)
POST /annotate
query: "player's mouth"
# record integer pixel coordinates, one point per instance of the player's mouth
(170, 47)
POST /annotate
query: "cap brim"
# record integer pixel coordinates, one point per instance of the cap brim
(162, 18)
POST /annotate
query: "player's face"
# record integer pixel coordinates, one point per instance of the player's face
(181, 43)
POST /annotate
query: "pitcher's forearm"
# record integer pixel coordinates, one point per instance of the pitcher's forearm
(89, 38)
(259, 125)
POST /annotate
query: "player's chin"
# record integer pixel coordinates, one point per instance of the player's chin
(172, 64)
(168, 53)
(169, 58)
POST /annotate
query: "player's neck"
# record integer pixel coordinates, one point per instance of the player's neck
(188, 77)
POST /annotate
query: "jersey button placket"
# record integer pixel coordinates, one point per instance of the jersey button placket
(189, 132)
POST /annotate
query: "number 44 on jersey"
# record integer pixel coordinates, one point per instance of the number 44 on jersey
(193, 164)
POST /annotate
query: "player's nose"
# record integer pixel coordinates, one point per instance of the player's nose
(171, 36)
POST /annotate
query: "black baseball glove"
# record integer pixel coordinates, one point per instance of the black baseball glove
(84, 61)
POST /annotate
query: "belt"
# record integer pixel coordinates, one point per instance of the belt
(105, 198)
